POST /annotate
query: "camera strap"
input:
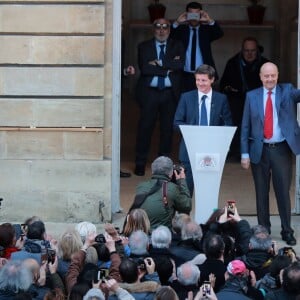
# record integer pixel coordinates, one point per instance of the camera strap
(165, 193)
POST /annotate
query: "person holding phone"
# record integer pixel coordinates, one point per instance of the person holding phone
(196, 30)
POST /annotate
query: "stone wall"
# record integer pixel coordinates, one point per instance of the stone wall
(54, 138)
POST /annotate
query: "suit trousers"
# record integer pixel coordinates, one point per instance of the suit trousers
(156, 104)
(276, 163)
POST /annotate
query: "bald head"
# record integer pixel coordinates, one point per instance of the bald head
(188, 274)
(269, 75)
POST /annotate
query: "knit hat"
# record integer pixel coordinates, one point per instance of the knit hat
(236, 267)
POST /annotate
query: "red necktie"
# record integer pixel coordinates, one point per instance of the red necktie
(268, 124)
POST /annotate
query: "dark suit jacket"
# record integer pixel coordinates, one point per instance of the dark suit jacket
(174, 61)
(207, 34)
(252, 132)
(187, 113)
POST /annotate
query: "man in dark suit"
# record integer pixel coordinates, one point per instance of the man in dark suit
(161, 61)
(204, 107)
(269, 135)
(241, 75)
(196, 30)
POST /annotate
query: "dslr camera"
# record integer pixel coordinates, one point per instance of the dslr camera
(142, 265)
(177, 168)
(286, 251)
(100, 239)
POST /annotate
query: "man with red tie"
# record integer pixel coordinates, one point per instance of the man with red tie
(270, 134)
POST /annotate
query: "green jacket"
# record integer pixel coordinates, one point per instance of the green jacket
(178, 197)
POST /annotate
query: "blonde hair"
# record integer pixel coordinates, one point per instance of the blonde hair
(137, 219)
(69, 243)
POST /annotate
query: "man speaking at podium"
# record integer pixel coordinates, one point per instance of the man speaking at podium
(202, 107)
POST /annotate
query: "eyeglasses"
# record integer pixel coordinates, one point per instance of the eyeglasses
(161, 26)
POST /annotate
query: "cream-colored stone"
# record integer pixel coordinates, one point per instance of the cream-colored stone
(49, 1)
(93, 207)
(16, 112)
(72, 175)
(34, 145)
(2, 145)
(107, 143)
(52, 49)
(52, 81)
(14, 176)
(45, 18)
(62, 206)
(68, 112)
(51, 112)
(83, 145)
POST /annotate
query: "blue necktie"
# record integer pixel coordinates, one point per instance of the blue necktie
(203, 112)
(161, 80)
(193, 50)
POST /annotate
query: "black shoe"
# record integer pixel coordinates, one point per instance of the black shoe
(289, 238)
(139, 170)
(124, 174)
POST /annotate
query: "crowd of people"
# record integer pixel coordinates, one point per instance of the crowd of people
(224, 258)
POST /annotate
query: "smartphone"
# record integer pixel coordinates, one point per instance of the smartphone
(230, 207)
(101, 275)
(193, 16)
(206, 287)
(273, 246)
(51, 255)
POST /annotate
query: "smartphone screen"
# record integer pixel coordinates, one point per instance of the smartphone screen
(193, 16)
(230, 207)
(206, 287)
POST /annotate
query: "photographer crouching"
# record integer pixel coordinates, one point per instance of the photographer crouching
(161, 196)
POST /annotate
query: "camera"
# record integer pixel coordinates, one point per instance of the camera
(230, 207)
(141, 264)
(206, 288)
(287, 251)
(177, 168)
(101, 274)
(100, 239)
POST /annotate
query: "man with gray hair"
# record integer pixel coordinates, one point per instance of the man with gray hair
(190, 244)
(160, 242)
(138, 244)
(260, 254)
(160, 197)
(161, 237)
(14, 279)
(188, 276)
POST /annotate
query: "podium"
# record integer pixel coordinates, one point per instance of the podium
(207, 148)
